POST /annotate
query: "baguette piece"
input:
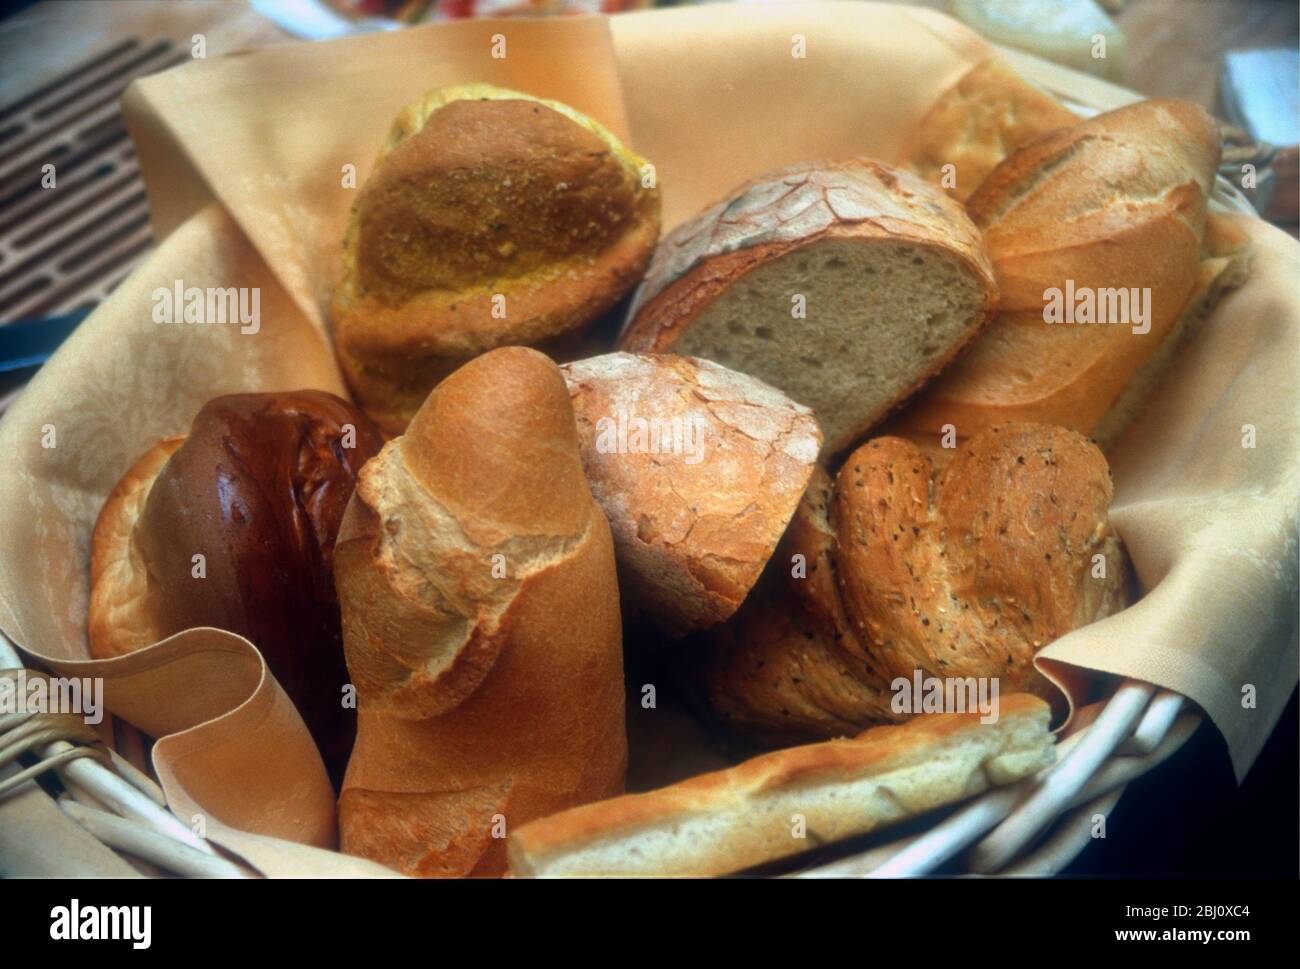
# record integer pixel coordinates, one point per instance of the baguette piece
(735, 819)
(846, 285)
(698, 469)
(1225, 265)
(964, 568)
(491, 218)
(989, 113)
(1113, 205)
(481, 624)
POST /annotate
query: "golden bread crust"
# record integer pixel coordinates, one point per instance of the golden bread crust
(859, 200)
(120, 620)
(482, 195)
(784, 210)
(481, 623)
(1117, 202)
(989, 113)
(960, 568)
(747, 809)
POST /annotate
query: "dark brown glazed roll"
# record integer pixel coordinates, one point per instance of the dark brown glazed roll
(257, 489)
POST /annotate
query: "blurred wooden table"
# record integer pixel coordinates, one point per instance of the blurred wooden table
(1176, 47)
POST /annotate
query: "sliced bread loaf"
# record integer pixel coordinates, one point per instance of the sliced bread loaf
(845, 285)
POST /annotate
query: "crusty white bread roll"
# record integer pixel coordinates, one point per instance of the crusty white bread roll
(957, 568)
(844, 284)
(481, 625)
(734, 819)
(1111, 209)
(989, 113)
(698, 469)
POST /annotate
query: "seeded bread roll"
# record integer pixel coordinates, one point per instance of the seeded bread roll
(788, 668)
(846, 285)
(964, 569)
(481, 625)
(698, 469)
(490, 218)
(734, 819)
(1112, 206)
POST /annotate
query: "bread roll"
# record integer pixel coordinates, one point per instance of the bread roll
(788, 668)
(490, 218)
(481, 624)
(734, 819)
(960, 570)
(989, 113)
(1114, 206)
(845, 285)
(698, 469)
(257, 489)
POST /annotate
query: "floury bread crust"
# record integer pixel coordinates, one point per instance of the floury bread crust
(892, 275)
(480, 195)
(481, 624)
(698, 469)
(960, 569)
(735, 819)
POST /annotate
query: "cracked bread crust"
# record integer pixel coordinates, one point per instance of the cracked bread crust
(788, 207)
(481, 624)
(696, 512)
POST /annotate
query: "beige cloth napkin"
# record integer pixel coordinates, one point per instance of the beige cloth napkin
(244, 160)
(1210, 524)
